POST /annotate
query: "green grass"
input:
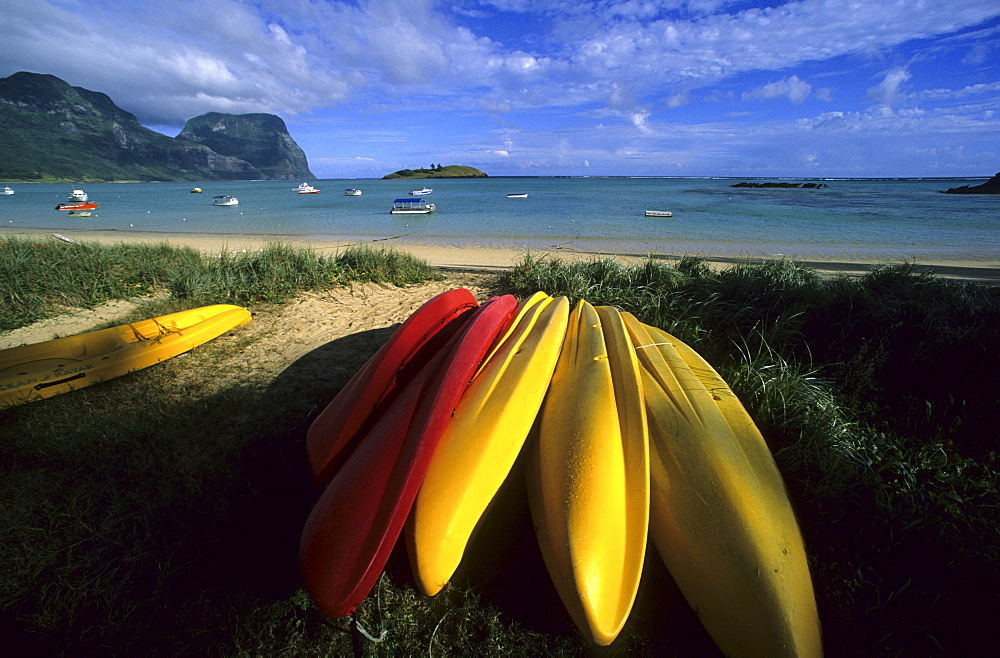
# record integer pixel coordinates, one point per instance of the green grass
(39, 279)
(161, 514)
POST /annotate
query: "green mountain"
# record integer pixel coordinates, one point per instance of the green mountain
(52, 131)
(261, 139)
(451, 171)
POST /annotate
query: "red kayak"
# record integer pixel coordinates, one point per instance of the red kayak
(351, 530)
(77, 205)
(353, 410)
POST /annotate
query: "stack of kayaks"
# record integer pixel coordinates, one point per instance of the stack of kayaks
(629, 436)
(351, 530)
(38, 371)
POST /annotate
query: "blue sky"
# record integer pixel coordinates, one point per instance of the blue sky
(552, 87)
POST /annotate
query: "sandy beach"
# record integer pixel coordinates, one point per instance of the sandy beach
(315, 318)
(488, 255)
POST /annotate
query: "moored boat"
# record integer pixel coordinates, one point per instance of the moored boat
(195, 190)
(225, 200)
(518, 195)
(78, 213)
(351, 191)
(306, 188)
(6, 191)
(79, 205)
(78, 195)
(411, 207)
(659, 213)
(424, 190)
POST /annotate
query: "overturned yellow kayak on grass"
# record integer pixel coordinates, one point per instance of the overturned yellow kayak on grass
(719, 514)
(588, 474)
(42, 370)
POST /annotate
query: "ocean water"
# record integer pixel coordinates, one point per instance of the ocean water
(876, 219)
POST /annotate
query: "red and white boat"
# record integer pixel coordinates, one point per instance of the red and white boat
(79, 205)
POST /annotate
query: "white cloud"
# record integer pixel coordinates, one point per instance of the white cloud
(793, 88)
(291, 56)
(887, 91)
(824, 94)
(679, 99)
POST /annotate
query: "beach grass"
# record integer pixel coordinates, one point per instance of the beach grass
(162, 514)
(42, 278)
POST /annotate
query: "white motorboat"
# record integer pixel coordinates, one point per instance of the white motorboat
(6, 191)
(411, 207)
(78, 213)
(306, 188)
(659, 213)
(77, 195)
(518, 195)
(225, 200)
(425, 190)
(195, 190)
(351, 191)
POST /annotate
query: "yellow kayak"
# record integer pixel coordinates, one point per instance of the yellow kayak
(719, 514)
(588, 474)
(483, 439)
(34, 372)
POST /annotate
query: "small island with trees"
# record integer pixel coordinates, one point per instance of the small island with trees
(437, 171)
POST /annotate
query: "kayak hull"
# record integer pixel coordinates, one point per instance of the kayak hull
(588, 474)
(719, 514)
(351, 530)
(483, 440)
(412, 345)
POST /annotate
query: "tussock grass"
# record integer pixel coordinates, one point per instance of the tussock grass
(38, 279)
(878, 396)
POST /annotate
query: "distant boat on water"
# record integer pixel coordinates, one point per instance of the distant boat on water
(659, 213)
(6, 191)
(78, 195)
(351, 191)
(78, 206)
(195, 190)
(411, 207)
(425, 190)
(518, 195)
(225, 200)
(306, 188)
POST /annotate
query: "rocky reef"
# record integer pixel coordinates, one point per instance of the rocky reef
(992, 186)
(782, 184)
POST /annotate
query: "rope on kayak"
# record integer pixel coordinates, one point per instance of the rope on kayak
(639, 347)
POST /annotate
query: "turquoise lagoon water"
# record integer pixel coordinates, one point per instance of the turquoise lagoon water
(863, 219)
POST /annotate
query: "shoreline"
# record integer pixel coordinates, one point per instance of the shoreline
(499, 254)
